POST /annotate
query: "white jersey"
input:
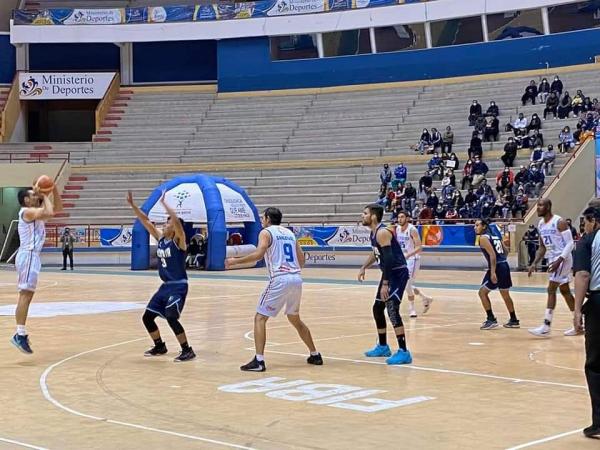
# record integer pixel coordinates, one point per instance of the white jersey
(551, 238)
(406, 241)
(281, 257)
(32, 235)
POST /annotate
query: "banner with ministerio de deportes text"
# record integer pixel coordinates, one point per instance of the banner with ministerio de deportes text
(63, 86)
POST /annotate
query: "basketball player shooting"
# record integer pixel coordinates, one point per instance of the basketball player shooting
(36, 208)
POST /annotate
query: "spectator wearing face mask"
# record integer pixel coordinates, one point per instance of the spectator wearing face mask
(474, 112)
(510, 152)
(436, 139)
(400, 176)
(480, 170)
(424, 144)
(557, 86)
(504, 179)
(492, 128)
(520, 203)
(564, 106)
(548, 157)
(523, 178)
(385, 176)
(536, 157)
(436, 166)
(577, 102)
(492, 109)
(519, 126)
(535, 123)
(587, 105)
(530, 94)
(566, 141)
(452, 162)
(432, 201)
(410, 198)
(425, 183)
(475, 148)
(551, 105)
(543, 90)
(467, 179)
(447, 140)
(537, 181)
(536, 139)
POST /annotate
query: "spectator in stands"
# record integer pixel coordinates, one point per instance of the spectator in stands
(536, 158)
(452, 162)
(548, 157)
(564, 106)
(385, 176)
(471, 196)
(492, 109)
(510, 152)
(467, 174)
(596, 105)
(410, 198)
(492, 128)
(447, 185)
(436, 139)
(556, 86)
(504, 179)
(484, 191)
(551, 105)
(577, 103)
(587, 105)
(440, 214)
(523, 178)
(457, 200)
(531, 239)
(578, 134)
(574, 232)
(543, 90)
(535, 140)
(475, 148)
(480, 170)
(566, 141)
(497, 207)
(520, 203)
(416, 211)
(436, 166)
(451, 215)
(519, 126)
(535, 123)
(447, 140)
(382, 196)
(400, 176)
(474, 112)
(537, 180)
(530, 94)
(399, 196)
(432, 201)
(426, 215)
(424, 142)
(425, 183)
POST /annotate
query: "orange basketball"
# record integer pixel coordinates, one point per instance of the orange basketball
(45, 184)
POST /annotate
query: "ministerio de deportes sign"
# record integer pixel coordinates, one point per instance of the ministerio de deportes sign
(63, 86)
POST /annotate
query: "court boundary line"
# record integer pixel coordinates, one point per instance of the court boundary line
(546, 439)
(22, 444)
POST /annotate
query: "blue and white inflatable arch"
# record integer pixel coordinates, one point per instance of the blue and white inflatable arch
(204, 199)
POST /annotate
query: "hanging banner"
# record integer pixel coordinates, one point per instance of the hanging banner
(63, 86)
(158, 14)
(236, 208)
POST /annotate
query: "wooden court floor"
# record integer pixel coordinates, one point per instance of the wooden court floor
(88, 386)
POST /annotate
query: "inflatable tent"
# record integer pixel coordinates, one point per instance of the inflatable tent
(199, 199)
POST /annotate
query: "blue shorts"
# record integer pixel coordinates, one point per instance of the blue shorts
(503, 275)
(169, 295)
(397, 284)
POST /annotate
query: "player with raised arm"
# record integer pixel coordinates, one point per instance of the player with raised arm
(496, 277)
(556, 243)
(36, 209)
(284, 259)
(410, 242)
(169, 300)
(394, 277)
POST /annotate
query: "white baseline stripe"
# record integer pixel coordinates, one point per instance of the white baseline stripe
(22, 444)
(544, 440)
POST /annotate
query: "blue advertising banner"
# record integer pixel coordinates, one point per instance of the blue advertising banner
(158, 14)
(116, 237)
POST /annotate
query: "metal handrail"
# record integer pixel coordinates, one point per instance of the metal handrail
(34, 156)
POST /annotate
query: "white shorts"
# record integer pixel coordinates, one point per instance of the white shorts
(563, 274)
(282, 290)
(414, 265)
(28, 265)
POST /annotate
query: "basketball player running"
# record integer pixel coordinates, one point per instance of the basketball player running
(284, 259)
(169, 300)
(410, 242)
(394, 278)
(556, 243)
(496, 277)
(36, 208)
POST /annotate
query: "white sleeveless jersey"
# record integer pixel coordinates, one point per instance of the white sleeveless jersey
(551, 238)
(281, 257)
(406, 241)
(31, 234)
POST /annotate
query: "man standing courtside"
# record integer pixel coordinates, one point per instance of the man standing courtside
(587, 281)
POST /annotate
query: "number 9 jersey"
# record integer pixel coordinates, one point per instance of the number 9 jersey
(281, 257)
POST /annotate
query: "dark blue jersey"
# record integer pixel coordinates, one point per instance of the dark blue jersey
(171, 261)
(399, 260)
(496, 242)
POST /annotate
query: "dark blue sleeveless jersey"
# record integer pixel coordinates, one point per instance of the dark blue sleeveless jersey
(171, 261)
(398, 255)
(496, 242)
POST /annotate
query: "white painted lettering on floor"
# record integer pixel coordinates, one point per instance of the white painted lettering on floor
(334, 395)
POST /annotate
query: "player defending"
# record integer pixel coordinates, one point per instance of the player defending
(496, 277)
(169, 300)
(36, 208)
(392, 263)
(410, 242)
(284, 259)
(556, 242)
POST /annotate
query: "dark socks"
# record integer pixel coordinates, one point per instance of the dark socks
(490, 315)
(401, 341)
(513, 315)
(185, 346)
(382, 338)
(158, 342)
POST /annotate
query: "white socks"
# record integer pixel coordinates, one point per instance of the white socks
(260, 358)
(548, 317)
(21, 330)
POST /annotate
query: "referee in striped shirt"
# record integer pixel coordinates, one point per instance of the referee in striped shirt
(587, 282)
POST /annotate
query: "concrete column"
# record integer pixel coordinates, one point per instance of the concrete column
(372, 39)
(484, 28)
(545, 20)
(320, 45)
(126, 62)
(22, 56)
(428, 34)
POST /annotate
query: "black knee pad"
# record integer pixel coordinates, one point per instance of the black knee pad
(172, 316)
(393, 309)
(379, 314)
(149, 321)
